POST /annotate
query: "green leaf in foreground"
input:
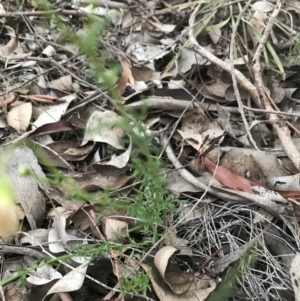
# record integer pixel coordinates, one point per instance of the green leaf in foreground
(229, 285)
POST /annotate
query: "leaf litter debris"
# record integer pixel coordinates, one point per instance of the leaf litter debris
(219, 81)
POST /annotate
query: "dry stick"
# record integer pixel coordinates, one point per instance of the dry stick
(107, 3)
(6, 102)
(234, 82)
(42, 13)
(222, 193)
(259, 97)
(270, 111)
(242, 80)
(172, 104)
(281, 128)
(86, 275)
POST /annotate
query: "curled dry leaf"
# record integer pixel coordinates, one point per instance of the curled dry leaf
(58, 237)
(173, 285)
(178, 282)
(34, 237)
(263, 6)
(71, 281)
(10, 47)
(43, 275)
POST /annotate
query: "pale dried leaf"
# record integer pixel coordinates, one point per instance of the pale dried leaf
(257, 21)
(10, 47)
(49, 51)
(176, 184)
(71, 281)
(3, 123)
(54, 113)
(58, 237)
(263, 6)
(100, 128)
(166, 28)
(2, 12)
(215, 35)
(122, 160)
(64, 83)
(115, 230)
(193, 139)
(188, 58)
(269, 194)
(19, 117)
(35, 237)
(127, 19)
(43, 275)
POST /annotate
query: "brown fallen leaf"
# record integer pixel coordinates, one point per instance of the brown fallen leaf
(7, 101)
(236, 182)
(51, 128)
(125, 77)
(227, 178)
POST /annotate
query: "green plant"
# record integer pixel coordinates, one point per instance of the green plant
(138, 284)
(151, 201)
(229, 285)
(293, 55)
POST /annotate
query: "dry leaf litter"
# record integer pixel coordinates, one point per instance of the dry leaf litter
(220, 81)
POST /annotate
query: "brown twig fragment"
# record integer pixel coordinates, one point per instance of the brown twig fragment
(7, 101)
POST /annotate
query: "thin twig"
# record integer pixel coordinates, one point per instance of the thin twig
(58, 65)
(234, 81)
(19, 14)
(259, 97)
